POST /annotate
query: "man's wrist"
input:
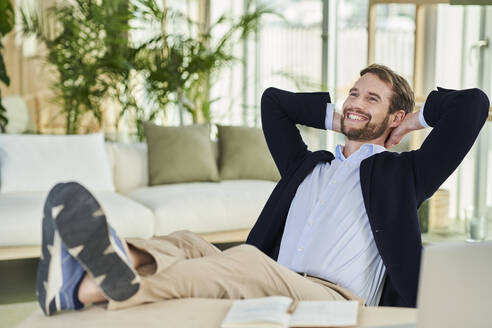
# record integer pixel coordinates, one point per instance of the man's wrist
(415, 121)
(333, 120)
(337, 122)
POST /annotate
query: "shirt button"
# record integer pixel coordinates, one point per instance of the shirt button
(310, 222)
(300, 249)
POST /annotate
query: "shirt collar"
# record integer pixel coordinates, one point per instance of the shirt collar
(364, 151)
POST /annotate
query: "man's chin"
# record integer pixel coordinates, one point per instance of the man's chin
(368, 132)
(360, 135)
(353, 134)
(355, 138)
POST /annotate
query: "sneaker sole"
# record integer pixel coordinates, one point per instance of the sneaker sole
(85, 232)
(49, 277)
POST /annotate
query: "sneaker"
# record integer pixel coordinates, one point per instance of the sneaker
(89, 238)
(59, 274)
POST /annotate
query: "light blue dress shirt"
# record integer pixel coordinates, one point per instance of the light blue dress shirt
(327, 232)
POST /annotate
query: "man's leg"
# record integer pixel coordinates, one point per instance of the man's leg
(198, 269)
(237, 273)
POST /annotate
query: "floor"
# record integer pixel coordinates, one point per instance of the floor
(17, 291)
(13, 314)
(17, 281)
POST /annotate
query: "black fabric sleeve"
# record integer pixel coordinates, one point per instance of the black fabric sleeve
(280, 112)
(457, 117)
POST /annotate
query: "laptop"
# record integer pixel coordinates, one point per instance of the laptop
(455, 288)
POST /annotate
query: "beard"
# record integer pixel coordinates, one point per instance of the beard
(369, 131)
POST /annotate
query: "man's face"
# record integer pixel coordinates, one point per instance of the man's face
(366, 109)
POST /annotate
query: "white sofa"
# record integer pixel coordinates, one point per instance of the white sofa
(137, 210)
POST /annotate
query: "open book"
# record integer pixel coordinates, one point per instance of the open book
(280, 311)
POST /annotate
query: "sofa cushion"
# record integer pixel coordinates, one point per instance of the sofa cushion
(21, 215)
(180, 154)
(37, 162)
(130, 165)
(244, 154)
(205, 207)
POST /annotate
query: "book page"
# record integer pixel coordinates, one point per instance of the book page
(264, 312)
(325, 314)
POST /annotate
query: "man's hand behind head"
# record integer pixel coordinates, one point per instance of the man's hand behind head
(409, 124)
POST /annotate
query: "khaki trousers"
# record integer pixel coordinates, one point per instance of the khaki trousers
(186, 265)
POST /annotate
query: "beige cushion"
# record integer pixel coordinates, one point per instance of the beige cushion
(21, 216)
(205, 206)
(180, 154)
(130, 169)
(244, 154)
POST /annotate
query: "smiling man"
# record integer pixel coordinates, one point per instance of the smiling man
(339, 226)
(351, 217)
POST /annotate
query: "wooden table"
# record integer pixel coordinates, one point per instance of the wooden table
(184, 313)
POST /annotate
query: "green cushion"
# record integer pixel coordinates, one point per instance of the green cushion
(244, 154)
(180, 154)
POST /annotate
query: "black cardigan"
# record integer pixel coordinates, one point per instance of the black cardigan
(393, 184)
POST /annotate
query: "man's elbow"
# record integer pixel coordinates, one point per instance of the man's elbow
(479, 100)
(267, 99)
(268, 94)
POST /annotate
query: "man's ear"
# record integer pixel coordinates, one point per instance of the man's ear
(396, 118)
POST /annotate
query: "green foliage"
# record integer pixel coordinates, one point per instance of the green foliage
(88, 47)
(6, 24)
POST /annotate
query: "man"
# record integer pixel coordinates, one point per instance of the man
(346, 222)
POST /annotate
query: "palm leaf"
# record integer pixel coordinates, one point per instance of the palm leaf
(3, 71)
(8, 17)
